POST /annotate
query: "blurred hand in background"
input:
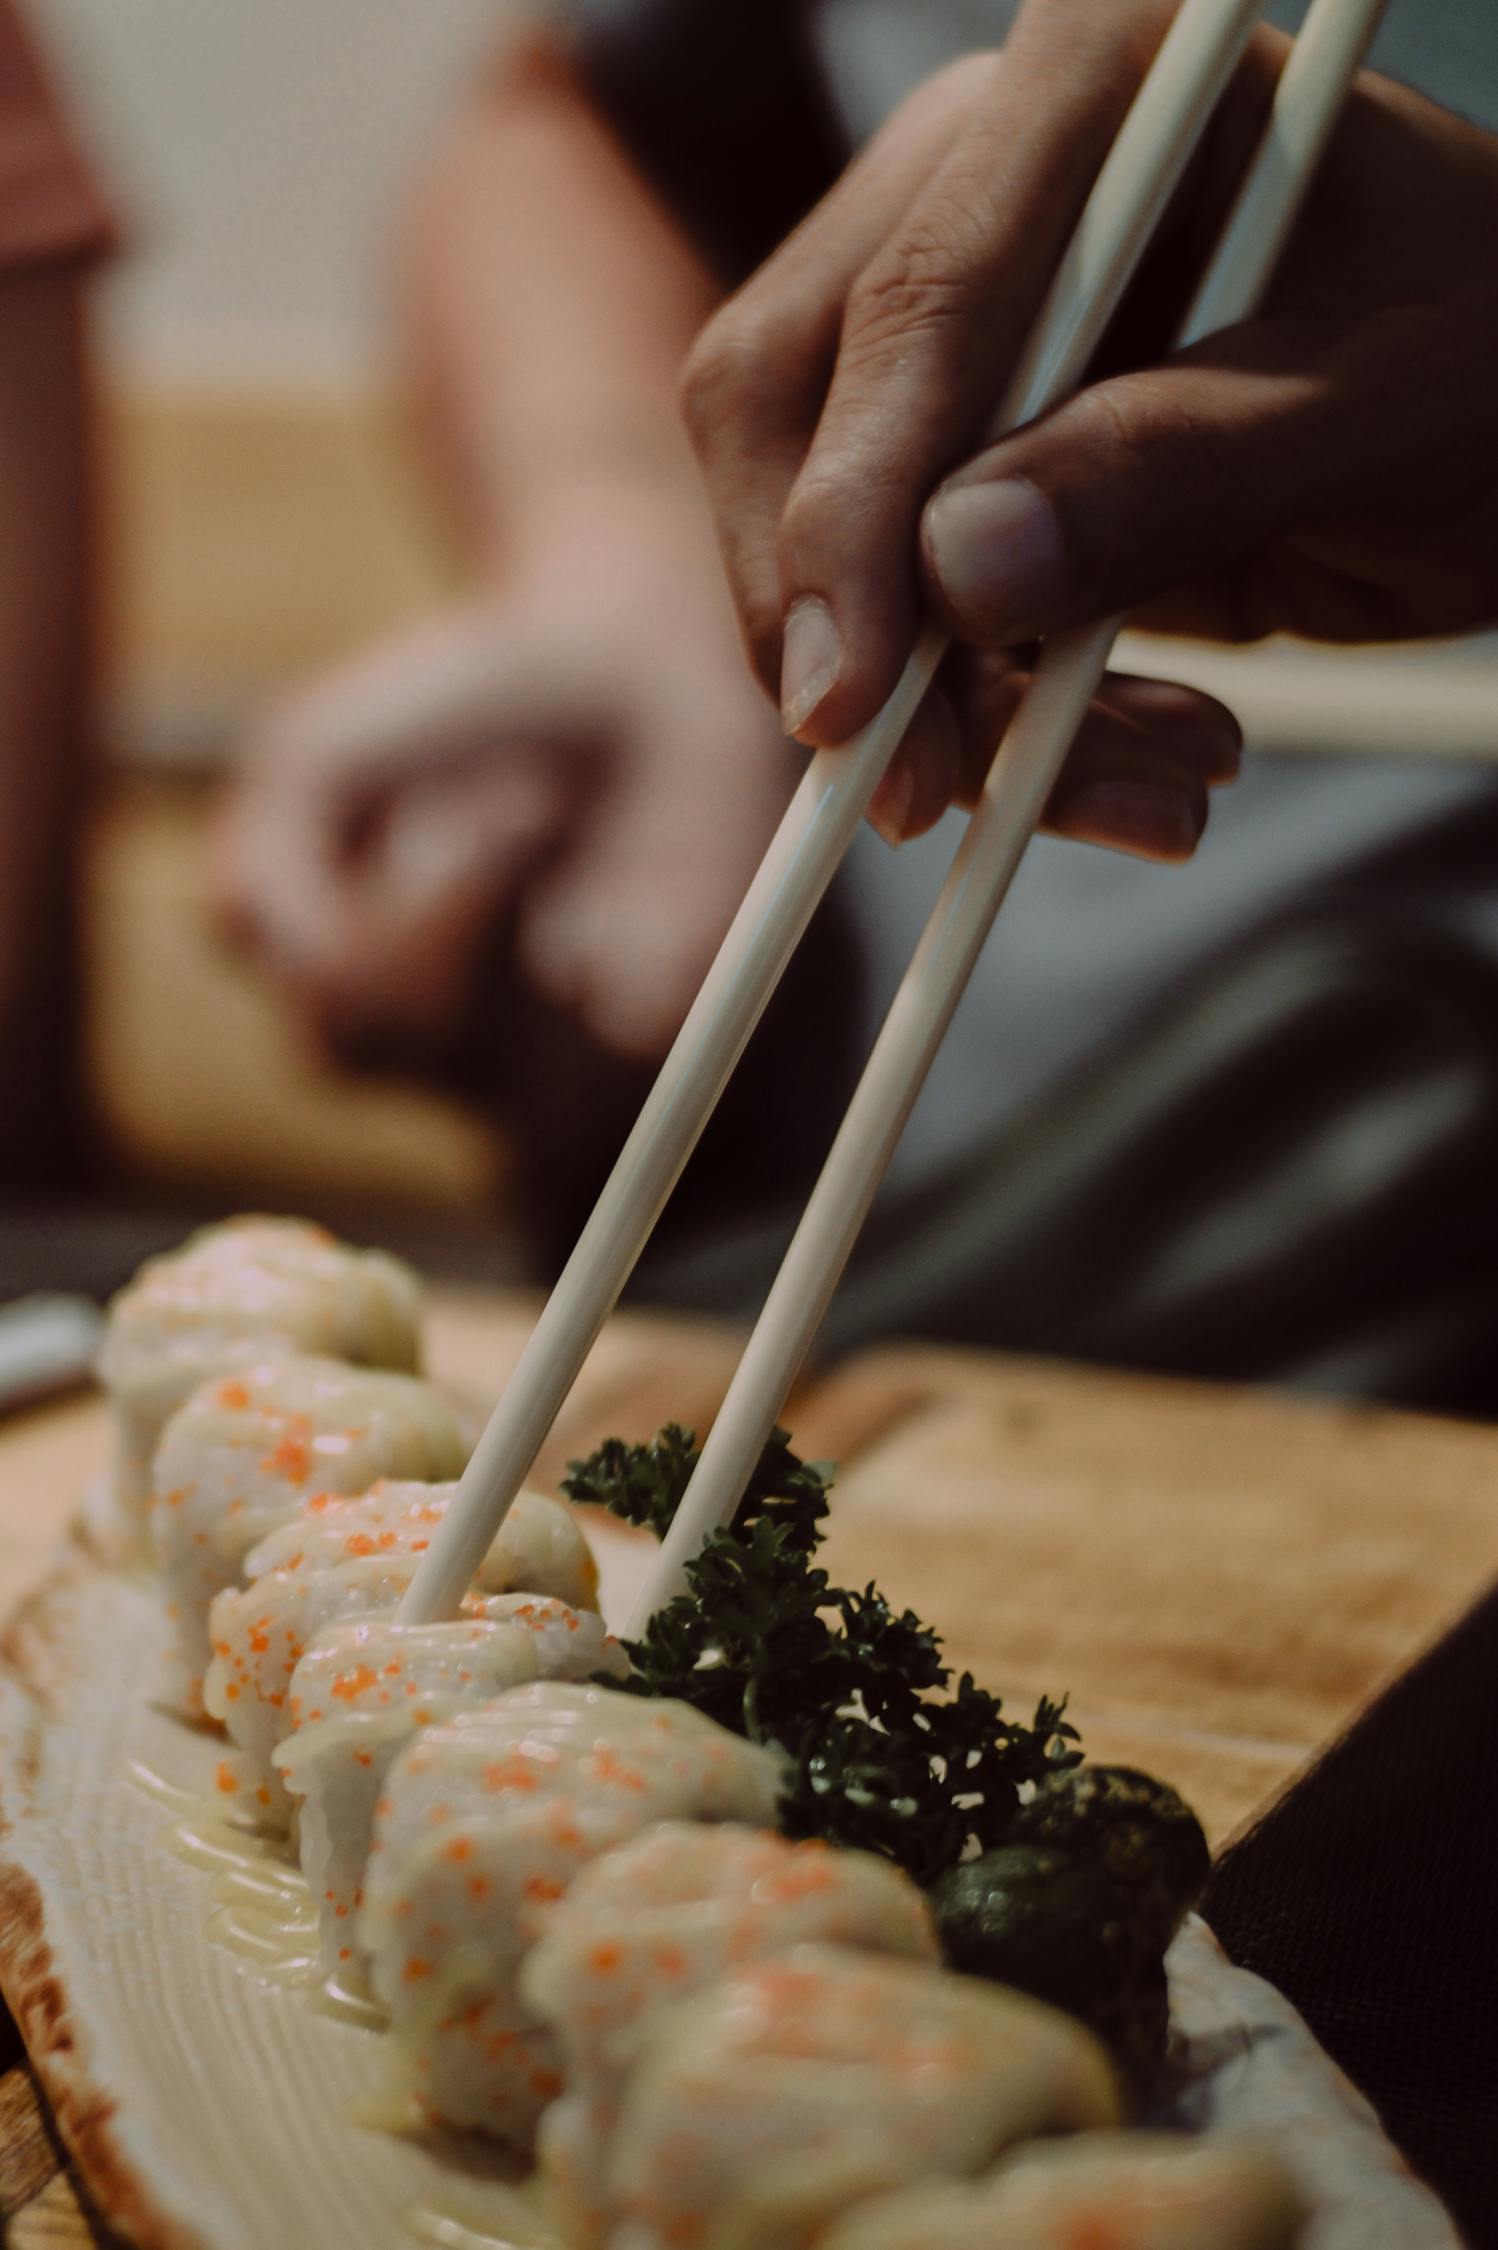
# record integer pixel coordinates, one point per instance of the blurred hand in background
(574, 755)
(577, 752)
(577, 756)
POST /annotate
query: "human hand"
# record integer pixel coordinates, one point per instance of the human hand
(1329, 468)
(579, 756)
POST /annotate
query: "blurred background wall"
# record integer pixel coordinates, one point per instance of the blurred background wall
(261, 148)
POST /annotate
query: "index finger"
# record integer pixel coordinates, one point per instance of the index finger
(755, 382)
(932, 327)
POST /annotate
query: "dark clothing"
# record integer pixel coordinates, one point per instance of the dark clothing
(1266, 1160)
(723, 109)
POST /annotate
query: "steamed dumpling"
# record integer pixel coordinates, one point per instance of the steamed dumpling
(655, 1920)
(540, 1545)
(260, 1632)
(486, 1820)
(246, 1291)
(1116, 2191)
(363, 1690)
(762, 2107)
(253, 1450)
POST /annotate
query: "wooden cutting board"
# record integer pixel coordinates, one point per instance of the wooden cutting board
(1222, 1580)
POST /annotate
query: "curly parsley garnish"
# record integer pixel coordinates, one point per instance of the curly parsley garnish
(884, 1751)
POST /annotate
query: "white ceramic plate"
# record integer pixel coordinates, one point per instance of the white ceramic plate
(208, 2106)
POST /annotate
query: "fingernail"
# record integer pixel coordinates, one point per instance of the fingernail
(892, 804)
(1141, 816)
(810, 659)
(997, 552)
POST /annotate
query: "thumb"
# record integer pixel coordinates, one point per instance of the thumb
(1144, 484)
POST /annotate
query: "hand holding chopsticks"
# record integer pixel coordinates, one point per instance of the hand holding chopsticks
(1066, 676)
(1141, 172)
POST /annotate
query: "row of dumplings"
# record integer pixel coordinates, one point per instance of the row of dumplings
(572, 1901)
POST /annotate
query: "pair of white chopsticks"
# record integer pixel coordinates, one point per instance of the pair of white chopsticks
(1143, 168)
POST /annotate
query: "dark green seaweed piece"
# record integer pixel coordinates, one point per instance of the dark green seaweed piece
(1139, 1830)
(1061, 1929)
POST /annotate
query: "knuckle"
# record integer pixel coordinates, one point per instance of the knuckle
(825, 501)
(711, 375)
(1105, 425)
(726, 367)
(916, 291)
(1138, 429)
(705, 379)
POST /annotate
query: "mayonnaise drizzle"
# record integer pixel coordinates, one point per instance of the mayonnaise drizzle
(262, 1909)
(522, 2224)
(209, 1842)
(159, 1789)
(271, 1945)
(268, 1888)
(340, 1998)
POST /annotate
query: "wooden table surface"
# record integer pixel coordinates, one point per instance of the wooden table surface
(1221, 1580)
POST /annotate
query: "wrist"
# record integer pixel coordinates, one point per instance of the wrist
(640, 486)
(649, 536)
